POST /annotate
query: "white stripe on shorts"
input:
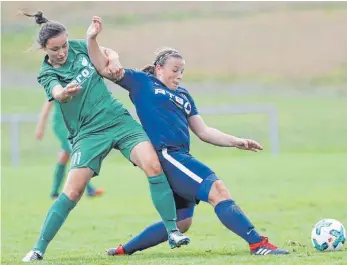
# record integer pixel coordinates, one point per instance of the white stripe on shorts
(181, 167)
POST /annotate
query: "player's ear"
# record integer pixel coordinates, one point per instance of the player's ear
(158, 70)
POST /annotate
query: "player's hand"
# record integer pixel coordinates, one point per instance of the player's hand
(39, 134)
(114, 67)
(70, 91)
(247, 144)
(95, 28)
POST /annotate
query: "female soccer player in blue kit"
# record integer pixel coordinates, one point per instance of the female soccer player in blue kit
(167, 111)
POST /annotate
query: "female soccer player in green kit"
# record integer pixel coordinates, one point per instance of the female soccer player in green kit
(97, 123)
(61, 133)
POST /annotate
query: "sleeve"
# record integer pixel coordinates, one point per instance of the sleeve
(133, 80)
(80, 45)
(48, 81)
(194, 109)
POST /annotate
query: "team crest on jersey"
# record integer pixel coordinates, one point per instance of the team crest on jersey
(84, 61)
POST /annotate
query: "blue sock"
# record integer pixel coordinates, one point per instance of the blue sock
(154, 234)
(235, 220)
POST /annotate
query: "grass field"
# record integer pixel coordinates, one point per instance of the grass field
(284, 196)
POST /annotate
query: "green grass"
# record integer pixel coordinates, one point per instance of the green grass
(283, 196)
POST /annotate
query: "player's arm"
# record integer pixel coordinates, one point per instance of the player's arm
(41, 125)
(64, 94)
(106, 61)
(213, 136)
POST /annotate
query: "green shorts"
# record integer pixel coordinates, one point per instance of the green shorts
(91, 149)
(62, 133)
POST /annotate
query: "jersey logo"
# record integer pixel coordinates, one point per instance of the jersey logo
(178, 101)
(84, 61)
(86, 72)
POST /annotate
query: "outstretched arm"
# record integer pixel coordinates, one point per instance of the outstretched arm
(41, 125)
(106, 61)
(216, 137)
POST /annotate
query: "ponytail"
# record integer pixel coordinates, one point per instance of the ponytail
(39, 18)
(149, 68)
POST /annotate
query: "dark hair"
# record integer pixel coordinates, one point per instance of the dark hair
(49, 30)
(162, 55)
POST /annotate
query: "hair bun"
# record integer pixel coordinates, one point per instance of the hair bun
(39, 18)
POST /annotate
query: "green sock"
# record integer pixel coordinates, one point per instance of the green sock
(55, 218)
(163, 200)
(59, 174)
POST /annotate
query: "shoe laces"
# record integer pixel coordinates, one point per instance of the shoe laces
(176, 232)
(266, 243)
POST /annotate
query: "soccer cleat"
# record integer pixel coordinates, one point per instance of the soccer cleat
(95, 193)
(118, 251)
(177, 239)
(32, 256)
(264, 247)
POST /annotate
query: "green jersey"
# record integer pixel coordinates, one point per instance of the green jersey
(57, 117)
(93, 109)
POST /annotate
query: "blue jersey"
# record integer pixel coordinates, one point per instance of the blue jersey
(163, 112)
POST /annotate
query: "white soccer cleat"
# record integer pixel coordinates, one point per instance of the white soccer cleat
(32, 256)
(177, 239)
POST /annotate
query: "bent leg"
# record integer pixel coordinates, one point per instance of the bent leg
(156, 233)
(230, 214)
(145, 157)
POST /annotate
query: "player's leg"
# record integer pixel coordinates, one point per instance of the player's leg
(233, 218)
(92, 191)
(86, 159)
(156, 233)
(60, 209)
(61, 133)
(191, 178)
(59, 172)
(134, 144)
(144, 156)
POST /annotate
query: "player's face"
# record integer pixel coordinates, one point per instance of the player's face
(171, 73)
(57, 49)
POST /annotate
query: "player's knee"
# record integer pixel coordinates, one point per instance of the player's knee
(219, 192)
(221, 188)
(152, 167)
(184, 225)
(74, 194)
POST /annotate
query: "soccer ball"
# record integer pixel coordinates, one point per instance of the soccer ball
(328, 235)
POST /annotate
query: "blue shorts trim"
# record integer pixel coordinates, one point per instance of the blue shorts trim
(205, 187)
(190, 179)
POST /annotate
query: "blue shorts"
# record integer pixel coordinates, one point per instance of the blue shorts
(189, 179)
